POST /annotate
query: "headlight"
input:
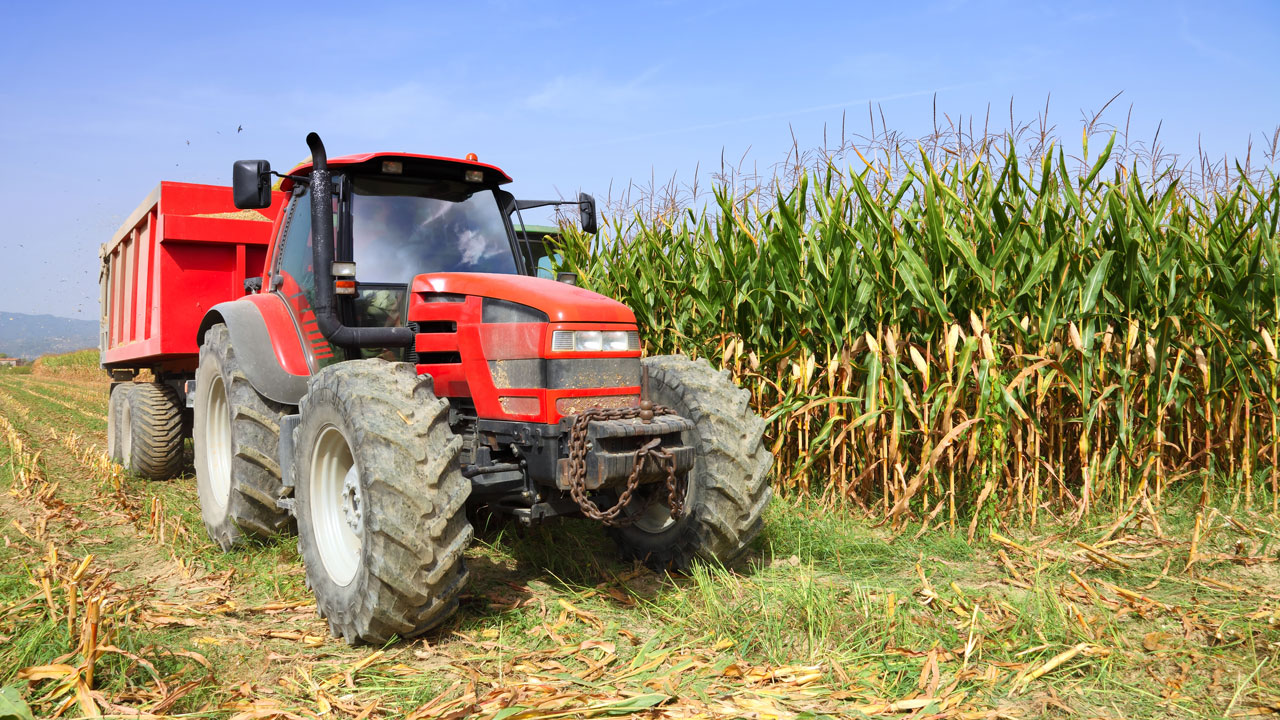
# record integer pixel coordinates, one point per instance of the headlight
(588, 341)
(595, 341)
(615, 341)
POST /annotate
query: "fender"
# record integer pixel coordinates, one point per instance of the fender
(266, 342)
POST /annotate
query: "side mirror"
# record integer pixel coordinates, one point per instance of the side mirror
(251, 184)
(567, 278)
(587, 213)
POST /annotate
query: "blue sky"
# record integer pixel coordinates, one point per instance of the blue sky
(101, 101)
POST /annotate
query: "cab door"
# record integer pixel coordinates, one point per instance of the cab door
(293, 277)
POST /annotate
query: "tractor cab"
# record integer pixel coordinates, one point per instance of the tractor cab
(397, 216)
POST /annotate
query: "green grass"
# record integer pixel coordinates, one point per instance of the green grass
(71, 412)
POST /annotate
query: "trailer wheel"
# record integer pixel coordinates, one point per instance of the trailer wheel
(728, 487)
(151, 431)
(115, 421)
(237, 437)
(380, 501)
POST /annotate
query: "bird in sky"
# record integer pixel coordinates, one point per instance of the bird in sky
(239, 128)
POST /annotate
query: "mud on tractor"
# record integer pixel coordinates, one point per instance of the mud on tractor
(396, 363)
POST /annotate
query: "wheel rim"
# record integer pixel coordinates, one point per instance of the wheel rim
(126, 433)
(217, 442)
(337, 505)
(656, 517)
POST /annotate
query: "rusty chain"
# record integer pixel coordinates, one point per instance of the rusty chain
(649, 452)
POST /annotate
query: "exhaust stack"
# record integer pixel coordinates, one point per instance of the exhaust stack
(325, 306)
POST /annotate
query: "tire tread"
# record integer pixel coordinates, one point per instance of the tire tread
(156, 417)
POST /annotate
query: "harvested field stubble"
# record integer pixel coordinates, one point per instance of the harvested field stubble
(112, 601)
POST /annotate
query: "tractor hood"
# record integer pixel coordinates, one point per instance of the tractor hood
(561, 302)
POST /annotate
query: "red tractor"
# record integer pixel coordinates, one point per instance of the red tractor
(397, 363)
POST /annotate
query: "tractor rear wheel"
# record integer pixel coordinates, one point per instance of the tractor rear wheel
(237, 439)
(147, 429)
(727, 489)
(380, 501)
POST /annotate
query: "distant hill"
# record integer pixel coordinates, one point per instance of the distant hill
(30, 336)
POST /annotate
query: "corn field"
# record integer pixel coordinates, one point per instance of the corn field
(1002, 335)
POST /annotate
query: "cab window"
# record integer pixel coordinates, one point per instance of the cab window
(400, 229)
(295, 256)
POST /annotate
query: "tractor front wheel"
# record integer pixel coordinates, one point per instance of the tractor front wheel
(727, 489)
(380, 501)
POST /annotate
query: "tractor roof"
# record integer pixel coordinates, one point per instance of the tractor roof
(414, 165)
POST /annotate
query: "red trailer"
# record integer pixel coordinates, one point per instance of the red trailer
(185, 249)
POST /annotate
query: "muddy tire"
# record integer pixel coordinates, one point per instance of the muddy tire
(380, 501)
(115, 419)
(237, 438)
(150, 431)
(728, 486)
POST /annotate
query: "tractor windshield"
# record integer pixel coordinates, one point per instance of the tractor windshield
(400, 229)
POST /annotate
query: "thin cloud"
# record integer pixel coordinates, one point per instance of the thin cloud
(784, 114)
(1202, 48)
(570, 91)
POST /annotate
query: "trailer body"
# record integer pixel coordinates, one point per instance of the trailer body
(183, 250)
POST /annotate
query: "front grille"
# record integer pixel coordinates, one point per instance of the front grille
(411, 352)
